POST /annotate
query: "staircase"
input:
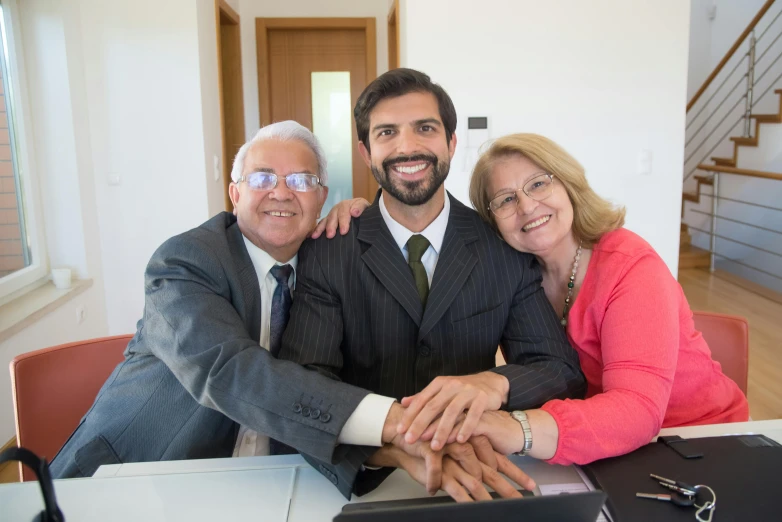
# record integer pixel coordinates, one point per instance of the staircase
(732, 184)
(691, 256)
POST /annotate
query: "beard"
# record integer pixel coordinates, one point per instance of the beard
(416, 192)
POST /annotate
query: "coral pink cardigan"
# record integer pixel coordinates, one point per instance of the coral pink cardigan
(645, 364)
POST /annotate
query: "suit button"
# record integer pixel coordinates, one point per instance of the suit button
(306, 411)
(325, 417)
(315, 413)
(424, 350)
(297, 408)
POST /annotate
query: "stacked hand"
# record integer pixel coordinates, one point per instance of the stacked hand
(463, 470)
(463, 467)
(441, 404)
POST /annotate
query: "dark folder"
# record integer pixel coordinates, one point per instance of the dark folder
(743, 470)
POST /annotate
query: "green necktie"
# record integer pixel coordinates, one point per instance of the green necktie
(416, 246)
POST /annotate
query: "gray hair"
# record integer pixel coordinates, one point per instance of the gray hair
(283, 131)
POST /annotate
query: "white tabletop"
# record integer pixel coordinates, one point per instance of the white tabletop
(253, 488)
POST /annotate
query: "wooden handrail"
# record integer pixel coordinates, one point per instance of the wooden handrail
(730, 53)
(741, 172)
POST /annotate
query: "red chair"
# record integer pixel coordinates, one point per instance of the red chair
(728, 339)
(54, 387)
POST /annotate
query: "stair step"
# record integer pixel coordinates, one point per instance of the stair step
(705, 180)
(690, 197)
(684, 239)
(724, 162)
(684, 227)
(767, 118)
(693, 257)
(740, 140)
(778, 91)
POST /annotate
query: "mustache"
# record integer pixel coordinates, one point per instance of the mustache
(389, 162)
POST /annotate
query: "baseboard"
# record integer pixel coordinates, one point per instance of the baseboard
(9, 471)
(749, 285)
(10, 444)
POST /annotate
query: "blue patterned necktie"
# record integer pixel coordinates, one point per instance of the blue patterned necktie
(281, 307)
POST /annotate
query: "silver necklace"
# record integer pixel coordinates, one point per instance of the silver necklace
(570, 285)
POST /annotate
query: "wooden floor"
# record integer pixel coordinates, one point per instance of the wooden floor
(709, 293)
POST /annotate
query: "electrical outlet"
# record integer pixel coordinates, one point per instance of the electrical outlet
(645, 162)
(81, 314)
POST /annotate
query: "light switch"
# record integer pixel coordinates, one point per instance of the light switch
(216, 161)
(645, 162)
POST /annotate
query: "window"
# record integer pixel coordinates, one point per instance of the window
(22, 256)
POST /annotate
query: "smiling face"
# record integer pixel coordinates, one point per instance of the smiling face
(277, 220)
(537, 227)
(410, 155)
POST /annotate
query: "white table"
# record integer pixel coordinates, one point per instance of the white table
(255, 488)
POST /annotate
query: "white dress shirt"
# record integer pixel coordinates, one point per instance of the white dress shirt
(250, 442)
(364, 427)
(434, 233)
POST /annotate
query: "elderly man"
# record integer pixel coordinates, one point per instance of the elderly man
(200, 378)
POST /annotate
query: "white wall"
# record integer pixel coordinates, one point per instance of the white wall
(700, 63)
(594, 76)
(210, 105)
(252, 9)
(62, 161)
(143, 85)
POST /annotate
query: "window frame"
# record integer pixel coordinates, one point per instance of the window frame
(19, 116)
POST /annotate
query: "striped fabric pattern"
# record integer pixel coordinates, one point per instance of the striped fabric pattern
(357, 317)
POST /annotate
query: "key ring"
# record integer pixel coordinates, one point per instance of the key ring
(710, 505)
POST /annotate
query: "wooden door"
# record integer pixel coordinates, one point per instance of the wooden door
(288, 55)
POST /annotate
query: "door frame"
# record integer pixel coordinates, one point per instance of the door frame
(394, 52)
(226, 16)
(262, 27)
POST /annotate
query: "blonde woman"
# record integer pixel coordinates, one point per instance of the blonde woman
(646, 366)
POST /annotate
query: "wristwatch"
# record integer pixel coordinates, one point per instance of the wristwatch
(524, 421)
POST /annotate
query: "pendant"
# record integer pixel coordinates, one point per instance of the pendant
(563, 322)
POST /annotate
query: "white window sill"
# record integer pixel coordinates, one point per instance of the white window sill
(25, 307)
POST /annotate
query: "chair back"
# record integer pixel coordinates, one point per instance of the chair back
(54, 387)
(728, 339)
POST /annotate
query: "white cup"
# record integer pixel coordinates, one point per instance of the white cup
(61, 277)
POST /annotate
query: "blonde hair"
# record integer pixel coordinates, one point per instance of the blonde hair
(593, 216)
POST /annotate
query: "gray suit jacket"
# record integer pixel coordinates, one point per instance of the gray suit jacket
(195, 369)
(357, 316)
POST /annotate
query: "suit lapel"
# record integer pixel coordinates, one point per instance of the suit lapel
(387, 262)
(454, 265)
(248, 278)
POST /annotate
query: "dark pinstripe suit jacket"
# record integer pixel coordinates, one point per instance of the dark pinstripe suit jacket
(357, 316)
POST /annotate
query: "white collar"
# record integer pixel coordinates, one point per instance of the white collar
(434, 233)
(263, 262)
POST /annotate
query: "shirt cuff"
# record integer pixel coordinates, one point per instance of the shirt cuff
(364, 427)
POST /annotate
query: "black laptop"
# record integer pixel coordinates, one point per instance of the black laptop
(576, 507)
